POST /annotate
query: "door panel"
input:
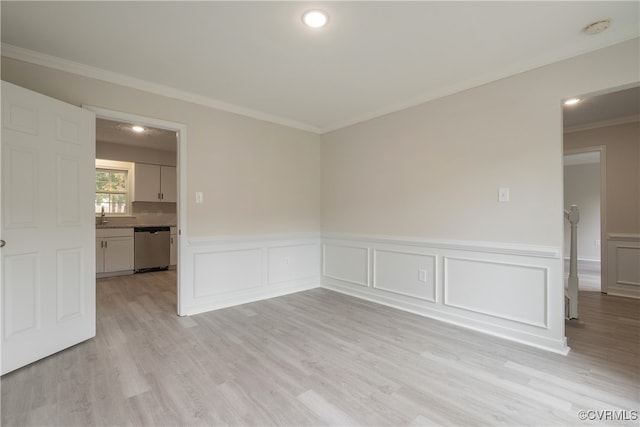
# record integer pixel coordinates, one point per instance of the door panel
(20, 170)
(48, 263)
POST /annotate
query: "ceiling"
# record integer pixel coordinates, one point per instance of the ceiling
(602, 108)
(122, 133)
(258, 59)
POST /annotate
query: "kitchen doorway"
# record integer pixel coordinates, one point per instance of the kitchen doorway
(162, 128)
(583, 177)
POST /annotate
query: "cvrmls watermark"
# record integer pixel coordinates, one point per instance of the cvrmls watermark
(607, 415)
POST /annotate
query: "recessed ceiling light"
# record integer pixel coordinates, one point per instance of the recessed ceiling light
(572, 101)
(315, 18)
(137, 129)
(597, 27)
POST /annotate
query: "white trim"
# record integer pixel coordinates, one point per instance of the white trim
(232, 239)
(50, 61)
(520, 337)
(227, 271)
(602, 149)
(461, 245)
(57, 63)
(181, 164)
(478, 81)
(603, 123)
(546, 332)
(624, 237)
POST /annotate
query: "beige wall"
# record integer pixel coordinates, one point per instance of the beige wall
(129, 153)
(623, 172)
(430, 171)
(582, 188)
(434, 170)
(256, 177)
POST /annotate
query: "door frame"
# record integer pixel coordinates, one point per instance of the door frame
(602, 149)
(181, 163)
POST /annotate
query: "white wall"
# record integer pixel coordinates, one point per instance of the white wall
(257, 177)
(622, 225)
(582, 188)
(428, 175)
(427, 178)
(622, 144)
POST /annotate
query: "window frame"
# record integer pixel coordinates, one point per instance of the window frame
(115, 165)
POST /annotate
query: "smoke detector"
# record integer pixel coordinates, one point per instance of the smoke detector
(597, 27)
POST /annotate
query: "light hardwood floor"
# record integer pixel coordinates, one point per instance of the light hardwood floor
(320, 358)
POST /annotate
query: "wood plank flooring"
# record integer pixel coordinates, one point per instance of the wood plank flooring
(321, 358)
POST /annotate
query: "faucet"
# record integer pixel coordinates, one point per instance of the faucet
(102, 221)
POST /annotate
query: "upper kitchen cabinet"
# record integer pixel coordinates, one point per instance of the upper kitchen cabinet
(155, 183)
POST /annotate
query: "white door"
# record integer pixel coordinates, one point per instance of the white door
(48, 263)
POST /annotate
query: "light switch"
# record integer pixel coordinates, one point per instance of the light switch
(199, 197)
(503, 194)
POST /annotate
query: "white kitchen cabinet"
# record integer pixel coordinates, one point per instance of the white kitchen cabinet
(173, 248)
(114, 251)
(155, 183)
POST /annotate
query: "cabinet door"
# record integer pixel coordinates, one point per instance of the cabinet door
(173, 250)
(99, 256)
(118, 254)
(168, 183)
(147, 183)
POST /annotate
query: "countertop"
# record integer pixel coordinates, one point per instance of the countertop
(132, 225)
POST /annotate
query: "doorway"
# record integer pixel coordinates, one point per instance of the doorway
(162, 126)
(583, 172)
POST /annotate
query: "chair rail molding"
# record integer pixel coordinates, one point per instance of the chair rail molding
(223, 271)
(509, 290)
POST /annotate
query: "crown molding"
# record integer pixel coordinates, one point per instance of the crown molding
(603, 123)
(73, 67)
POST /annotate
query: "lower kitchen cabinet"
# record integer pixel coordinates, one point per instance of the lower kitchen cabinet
(114, 251)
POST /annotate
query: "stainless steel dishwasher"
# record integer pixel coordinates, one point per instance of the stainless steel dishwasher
(151, 247)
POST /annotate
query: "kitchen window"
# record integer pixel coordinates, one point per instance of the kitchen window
(113, 187)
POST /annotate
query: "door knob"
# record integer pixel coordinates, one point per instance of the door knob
(2, 243)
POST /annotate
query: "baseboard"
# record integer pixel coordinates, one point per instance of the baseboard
(515, 293)
(559, 347)
(224, 271)
(252, 295)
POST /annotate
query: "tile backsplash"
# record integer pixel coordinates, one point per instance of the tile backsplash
(147, 213)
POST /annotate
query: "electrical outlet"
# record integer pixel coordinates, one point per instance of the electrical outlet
(596, 243)
(422, 275)
(199, 197)
(287, 261)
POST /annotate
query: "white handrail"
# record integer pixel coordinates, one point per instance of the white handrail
(573, 216)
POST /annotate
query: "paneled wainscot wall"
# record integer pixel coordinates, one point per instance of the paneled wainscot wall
(223, 272)
(512, 291)
(623, 272)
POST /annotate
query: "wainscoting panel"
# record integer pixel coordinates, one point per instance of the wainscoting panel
(623, 271)
(346, 263)
(405, 273)
(220, 272)
(474, 284)
(288, 263)
(512, 291)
